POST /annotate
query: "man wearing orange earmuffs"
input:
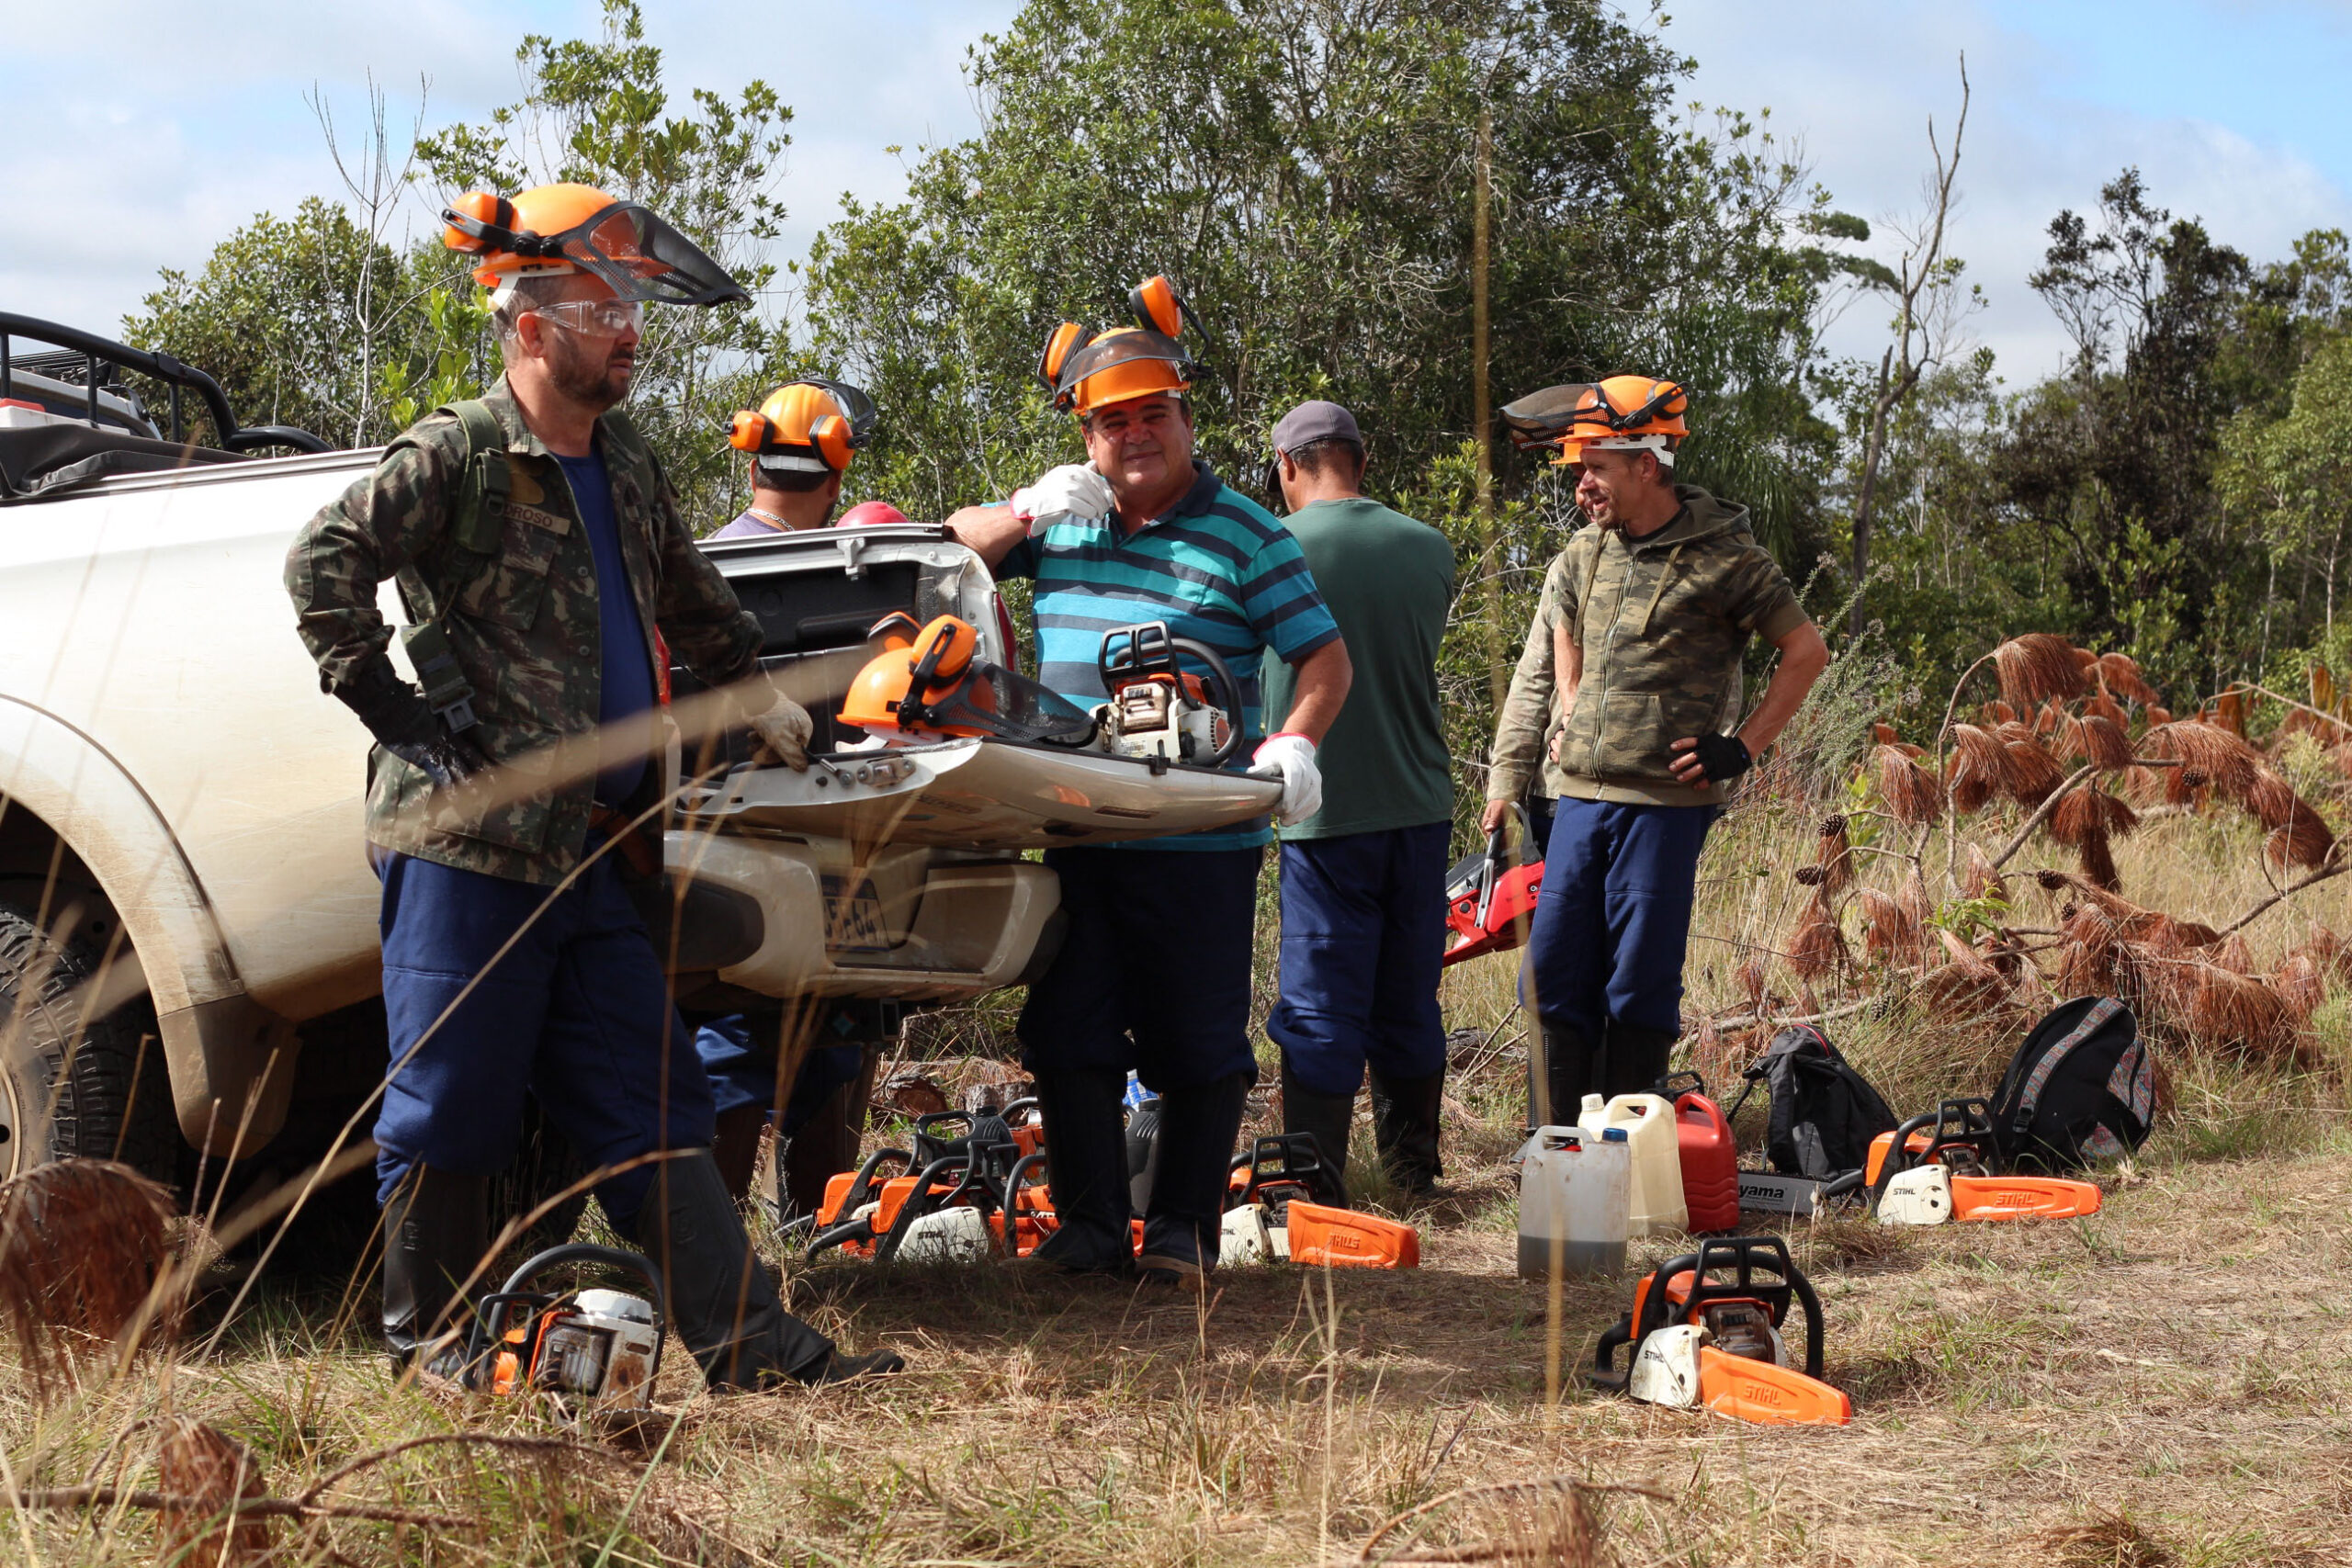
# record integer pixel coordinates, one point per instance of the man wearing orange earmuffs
(802, 440)
(1154, 975)
(539, 553)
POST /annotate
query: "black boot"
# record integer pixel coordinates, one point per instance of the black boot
(1574, 1071)
(1326, 1116)
(1636, 1058)
(1405, 1129)
(436, 1229)
(813, 1155)
(1183, 1231)
(735, 1147)
(720, 1300)
(1086, 1166)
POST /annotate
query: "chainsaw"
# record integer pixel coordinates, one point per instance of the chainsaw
(1490, 898)
(1157, 711)
(1702, 1341)
(1285, 1204)
(596, 1350)
(1940, 1167)
(946, 1202)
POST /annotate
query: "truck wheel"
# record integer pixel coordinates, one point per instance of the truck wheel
(69, 1091)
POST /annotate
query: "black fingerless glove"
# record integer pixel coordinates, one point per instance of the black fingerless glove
(397, 715)
(1722, 757)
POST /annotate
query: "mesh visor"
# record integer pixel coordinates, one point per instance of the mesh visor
(644, 258)
(1542, 419)
(996, 701)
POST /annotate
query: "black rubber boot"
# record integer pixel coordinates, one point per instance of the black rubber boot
(1405, 1129)
(1328, 1116)
(1636, 1058)
(1574, 1072)
(1086, 1166)
(1183, 1230)
(735, 1147)
(720, 1300)
(813, 1155)
(436, 1229)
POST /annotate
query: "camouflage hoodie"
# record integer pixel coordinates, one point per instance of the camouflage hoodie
(522, 623)
(1663, 621)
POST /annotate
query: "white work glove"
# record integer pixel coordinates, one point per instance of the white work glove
(1290, 757)
(1074, 489)
(783, 731)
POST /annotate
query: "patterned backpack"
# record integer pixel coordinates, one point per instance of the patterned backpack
(2082, 1087)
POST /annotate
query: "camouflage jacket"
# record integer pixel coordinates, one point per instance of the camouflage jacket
(522, 623)
(1663, 622)
(1523, 729)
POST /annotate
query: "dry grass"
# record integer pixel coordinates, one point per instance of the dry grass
(2157, 1385)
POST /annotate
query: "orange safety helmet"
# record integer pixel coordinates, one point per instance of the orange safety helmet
(811, 427)
(549, 231)
(1622, 414)
(1085, 371)
(927, 684)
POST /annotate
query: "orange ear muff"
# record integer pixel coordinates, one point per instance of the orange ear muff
(896, 629)
(1156, 306)
(830, 436)
(748, 431)
(1067, 340)
(486, 210)
(943, 649)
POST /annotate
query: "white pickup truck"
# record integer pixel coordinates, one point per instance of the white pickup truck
(188, 959)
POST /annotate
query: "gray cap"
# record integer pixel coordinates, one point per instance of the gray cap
(1316, 421)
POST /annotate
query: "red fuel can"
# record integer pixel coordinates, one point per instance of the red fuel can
(1710, 1163)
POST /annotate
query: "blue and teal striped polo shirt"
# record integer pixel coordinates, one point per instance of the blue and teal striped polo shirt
(1217, 568)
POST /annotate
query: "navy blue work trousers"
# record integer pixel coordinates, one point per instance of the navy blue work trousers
(1612, 924)
(743, 1070)
(1364, 940)
(1153, 975)
(577, 1013)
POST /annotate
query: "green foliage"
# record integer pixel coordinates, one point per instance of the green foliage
(597, 112)
(275, 315)
(454, 356)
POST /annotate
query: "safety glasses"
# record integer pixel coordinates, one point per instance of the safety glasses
(595, 318)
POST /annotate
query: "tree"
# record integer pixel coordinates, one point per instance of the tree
(275, 315)
(2115, 457)
(1303, 170)
(597, 112)
(1924, 287)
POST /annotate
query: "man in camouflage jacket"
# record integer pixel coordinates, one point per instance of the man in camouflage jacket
(534, 534)
(1649, 612)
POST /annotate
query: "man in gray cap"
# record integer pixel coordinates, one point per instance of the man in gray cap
(1363, 879)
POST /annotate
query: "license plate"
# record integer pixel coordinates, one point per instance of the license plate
(853, 918)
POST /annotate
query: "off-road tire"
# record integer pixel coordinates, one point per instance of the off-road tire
(69, 1091)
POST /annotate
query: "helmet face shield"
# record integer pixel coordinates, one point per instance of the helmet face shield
(1133, 362)
(643, 258)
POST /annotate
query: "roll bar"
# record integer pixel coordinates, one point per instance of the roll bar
(97, 351)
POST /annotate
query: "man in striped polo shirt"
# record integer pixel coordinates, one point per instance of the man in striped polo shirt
(1154, 974)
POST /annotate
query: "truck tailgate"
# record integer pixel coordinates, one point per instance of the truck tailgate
(980, 795)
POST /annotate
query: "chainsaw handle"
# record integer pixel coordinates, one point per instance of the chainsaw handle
(1228, 698)
(587, 1252)
(490, 1321)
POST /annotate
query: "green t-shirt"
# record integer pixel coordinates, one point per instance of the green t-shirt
(1389, 581)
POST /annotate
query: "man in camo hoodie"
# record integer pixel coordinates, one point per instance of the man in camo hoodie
(1649, 610)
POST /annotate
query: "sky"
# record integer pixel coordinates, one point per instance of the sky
(144, 133)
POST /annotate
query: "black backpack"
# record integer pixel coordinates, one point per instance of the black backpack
(2081, 1088)
(1824, 1113)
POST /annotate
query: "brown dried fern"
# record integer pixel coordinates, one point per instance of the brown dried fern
(2038, 666)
